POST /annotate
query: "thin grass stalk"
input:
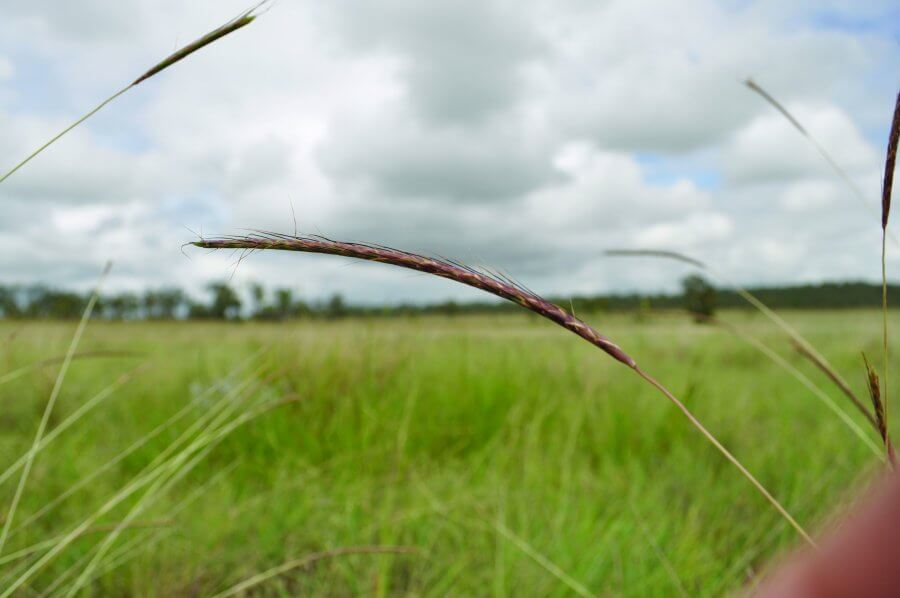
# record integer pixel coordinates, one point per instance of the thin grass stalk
(144, 479)
(71, 420)
(231, 26)
(135, 545)
(139, 539)
(879, 406)
(805, 381)
(204, 445)
(806, 348)
(51, 402)
(40, 563)
(137, 444)
(497, 285)
(658, 551)
(105, 467)
(308, 560)
(570, 582)
(143, 542)
(763, 541)
(96, 529)
(840, 172)
(838, 381)
(886, 190)
(762, 489)
(21, 371)
(84, 481)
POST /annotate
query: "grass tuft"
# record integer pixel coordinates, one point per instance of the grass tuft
(48, 409)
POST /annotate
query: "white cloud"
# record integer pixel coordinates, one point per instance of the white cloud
(770, 148)
(526, 136)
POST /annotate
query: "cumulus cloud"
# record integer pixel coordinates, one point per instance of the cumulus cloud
(401, 157)
(769, 148)
(528, 136)
(462, 61)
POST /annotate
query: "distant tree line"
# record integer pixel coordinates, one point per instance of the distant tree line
(222, 301)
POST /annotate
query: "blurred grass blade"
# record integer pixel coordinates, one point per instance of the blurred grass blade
(21, 371)
(71, 420)
(140, 542)
(97, 529)
(548, 565)
(751, 84)
(137, 444)
(198, 450)
(51, 402)
(838, 381)
(804, 346)
(308, 560)
(165, 464)
(809, 384)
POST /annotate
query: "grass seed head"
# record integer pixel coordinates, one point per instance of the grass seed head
(495, 284)
(874, 386)
(231, 26)
(889, 164)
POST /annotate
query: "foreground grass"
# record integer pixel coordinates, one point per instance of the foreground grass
(517, 458)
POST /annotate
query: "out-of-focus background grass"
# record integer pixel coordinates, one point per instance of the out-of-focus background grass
(508, 451)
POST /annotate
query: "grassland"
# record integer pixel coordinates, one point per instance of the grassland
(511, 453)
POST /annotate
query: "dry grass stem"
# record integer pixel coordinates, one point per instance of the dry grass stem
(750, 83)
(838, 380)
(498, 285)
(799, 340)
(809, 384)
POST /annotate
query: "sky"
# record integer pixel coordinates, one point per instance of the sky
(527, 136)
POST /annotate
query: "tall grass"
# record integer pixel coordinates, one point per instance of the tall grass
(502, 287)
(800, 342)
(48, 409)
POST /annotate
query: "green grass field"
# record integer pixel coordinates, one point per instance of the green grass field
(516, 457)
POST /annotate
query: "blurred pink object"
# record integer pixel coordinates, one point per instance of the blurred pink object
(861, 558)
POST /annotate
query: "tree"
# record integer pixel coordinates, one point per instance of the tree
(9, 305)
(123, 306)
(258, 294)
(169, 302)
(336, 308)
(699, 297)
(284, 302)
(226, 305)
